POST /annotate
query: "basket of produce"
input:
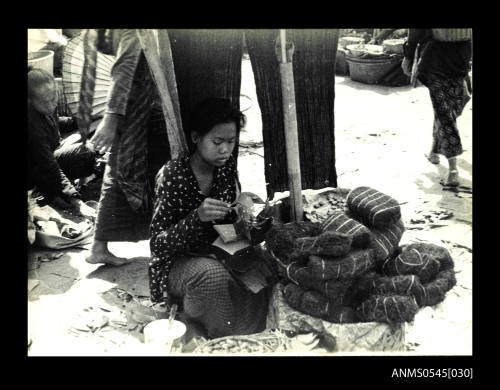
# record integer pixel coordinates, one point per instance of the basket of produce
(268, 341)
(345, 272)
(393, 46)
(362, 49)
(344, 41)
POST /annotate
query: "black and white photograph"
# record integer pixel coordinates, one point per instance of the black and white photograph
(264, 192)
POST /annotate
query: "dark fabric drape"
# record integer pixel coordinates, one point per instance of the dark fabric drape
(207, 64)
(314, 79)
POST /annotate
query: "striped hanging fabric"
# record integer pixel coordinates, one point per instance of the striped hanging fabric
(314, 82)
(207, 63)
(88, 83)
(452, 34)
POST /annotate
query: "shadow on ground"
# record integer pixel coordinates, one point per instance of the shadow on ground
(54, 276)
(132, 277)
(458, 200)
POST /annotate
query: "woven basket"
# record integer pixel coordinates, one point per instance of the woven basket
(369, 71)
(42, 59)
(452, 34)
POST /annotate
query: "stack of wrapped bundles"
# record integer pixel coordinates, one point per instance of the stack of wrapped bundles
(350, 268)
(280, 239)
(373, 208)
(381, 214)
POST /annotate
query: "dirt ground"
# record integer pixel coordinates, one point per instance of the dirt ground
(381, 135)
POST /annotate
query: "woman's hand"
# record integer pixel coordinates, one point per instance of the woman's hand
(213, 209)
(87, 211)
(105, 133)
(406, 66)
(83, 209)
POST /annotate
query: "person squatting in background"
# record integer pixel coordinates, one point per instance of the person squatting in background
(443, 68)
(193, 192)
(53, 165)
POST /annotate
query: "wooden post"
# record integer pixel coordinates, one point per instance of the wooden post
(176, 137)
(167, 63)
(291, 133)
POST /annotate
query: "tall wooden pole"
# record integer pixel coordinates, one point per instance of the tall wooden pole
(150, 47)
(291, 133)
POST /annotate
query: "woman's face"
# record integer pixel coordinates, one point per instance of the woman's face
(44, 99)
(216, 146)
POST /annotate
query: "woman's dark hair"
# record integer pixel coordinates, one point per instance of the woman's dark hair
(36, 78)
(213, 111)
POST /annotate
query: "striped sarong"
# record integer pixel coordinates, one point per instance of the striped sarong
(132, 151)
(449, 97)
(116, 219)
(212, 297)
(139, 149)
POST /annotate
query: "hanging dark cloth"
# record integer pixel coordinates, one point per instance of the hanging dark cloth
(314, 79)
(207, 64)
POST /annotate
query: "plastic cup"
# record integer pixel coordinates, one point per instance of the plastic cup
(159, 338)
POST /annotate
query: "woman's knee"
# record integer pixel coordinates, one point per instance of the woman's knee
(76, 160)
(209, 276)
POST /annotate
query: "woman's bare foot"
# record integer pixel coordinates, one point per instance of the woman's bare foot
(452, 179)
(99, 253)
(433, 158)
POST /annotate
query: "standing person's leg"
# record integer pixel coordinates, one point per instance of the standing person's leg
(452, 172)
(108, 222)
(433, 155)
(449, 98)
(116, 220)
(121, 215)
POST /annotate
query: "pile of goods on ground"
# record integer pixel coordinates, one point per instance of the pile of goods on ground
(350, 267)
(48, 228)
(269, 341)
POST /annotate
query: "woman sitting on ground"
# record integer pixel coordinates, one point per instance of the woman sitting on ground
(193, 191)
(52, 166)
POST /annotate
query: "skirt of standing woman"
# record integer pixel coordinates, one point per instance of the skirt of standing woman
(449, 97)
(116, 220)
(213, 298)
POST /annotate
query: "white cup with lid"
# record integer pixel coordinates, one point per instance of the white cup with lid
(162, 340)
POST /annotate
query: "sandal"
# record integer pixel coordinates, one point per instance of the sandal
(433, 158)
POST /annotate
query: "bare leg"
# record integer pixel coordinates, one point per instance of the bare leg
(452, 172)
(99, 253)
(433, 157)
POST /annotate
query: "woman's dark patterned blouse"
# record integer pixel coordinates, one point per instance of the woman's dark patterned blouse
(176, 226)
